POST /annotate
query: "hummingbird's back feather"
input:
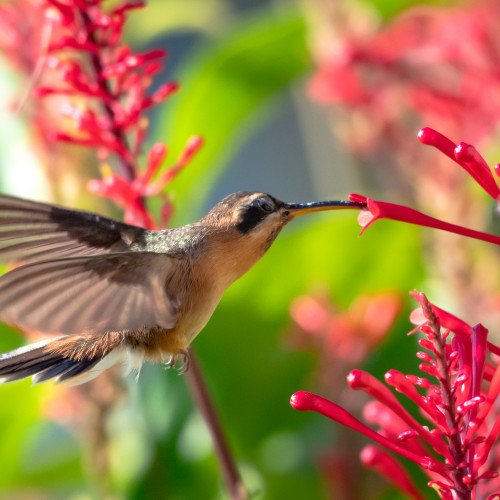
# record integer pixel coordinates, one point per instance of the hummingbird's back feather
(34, 231)
(97, 294)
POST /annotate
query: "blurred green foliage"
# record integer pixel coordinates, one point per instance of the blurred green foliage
(224, 87)
(387, 9)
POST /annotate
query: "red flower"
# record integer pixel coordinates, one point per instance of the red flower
(466, 156)
(457, 448)
(463, 154)
(383, 210)
(130, 195)
(387, 466)
(344, 336)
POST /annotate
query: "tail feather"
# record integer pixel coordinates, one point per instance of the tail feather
(66, 369)
(40, 362)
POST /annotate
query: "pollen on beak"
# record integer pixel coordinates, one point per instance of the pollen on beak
(297, 209)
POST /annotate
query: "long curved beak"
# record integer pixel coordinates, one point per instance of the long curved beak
(297, 209)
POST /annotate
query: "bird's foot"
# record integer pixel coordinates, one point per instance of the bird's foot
(180, 361)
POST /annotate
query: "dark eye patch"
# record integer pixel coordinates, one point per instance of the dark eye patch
(250, 218)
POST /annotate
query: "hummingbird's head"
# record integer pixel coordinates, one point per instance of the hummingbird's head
(260, 216)
(249, 215)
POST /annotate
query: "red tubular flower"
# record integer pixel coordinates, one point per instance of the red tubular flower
(382, 210)
(360, 380)
(466, 156)
(463, 154)
(306, 401)
(129, 194)
(393, 426)
(387, 466)
(191, 148)
(458, 447)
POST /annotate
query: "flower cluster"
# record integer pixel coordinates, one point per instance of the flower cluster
(414, 66)
(457, 447)
(100, 88)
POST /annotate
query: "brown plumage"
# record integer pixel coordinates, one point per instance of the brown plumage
(110, 290)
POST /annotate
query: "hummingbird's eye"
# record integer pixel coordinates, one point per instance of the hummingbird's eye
(264, 204)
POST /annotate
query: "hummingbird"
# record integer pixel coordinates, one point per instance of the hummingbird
(113, 292)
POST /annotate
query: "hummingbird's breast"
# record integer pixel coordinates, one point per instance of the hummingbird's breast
(208, 261)
(197, 295)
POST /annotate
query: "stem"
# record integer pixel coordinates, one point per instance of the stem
(462, 491)
(127, 166)
(201, 397)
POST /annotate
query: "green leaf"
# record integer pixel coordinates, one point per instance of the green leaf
(224, 87)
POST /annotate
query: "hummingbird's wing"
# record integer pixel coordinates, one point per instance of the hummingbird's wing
(97, 294)
(31, 230)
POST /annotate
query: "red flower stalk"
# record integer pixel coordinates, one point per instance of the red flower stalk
(464, 155)
(458, 447)
(105, 89)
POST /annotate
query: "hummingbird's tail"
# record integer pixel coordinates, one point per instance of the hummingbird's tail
(61, 358)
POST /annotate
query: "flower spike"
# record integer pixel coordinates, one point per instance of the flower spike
(461, 434)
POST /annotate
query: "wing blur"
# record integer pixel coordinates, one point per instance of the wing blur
(37, 231)
(97, 294)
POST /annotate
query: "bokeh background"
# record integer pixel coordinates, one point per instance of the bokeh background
(306, 100)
